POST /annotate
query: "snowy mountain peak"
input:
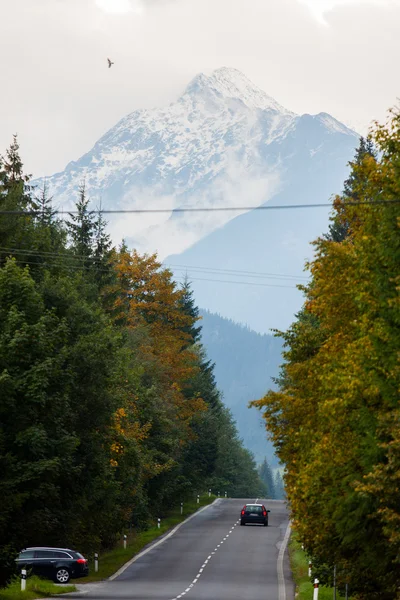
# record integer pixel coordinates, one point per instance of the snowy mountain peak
(230, 83)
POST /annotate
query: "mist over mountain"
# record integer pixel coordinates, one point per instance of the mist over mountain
(223, 143)
(245, 362)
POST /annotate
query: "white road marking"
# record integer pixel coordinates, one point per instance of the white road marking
(202, 569)
(281, 578)
(170, 534)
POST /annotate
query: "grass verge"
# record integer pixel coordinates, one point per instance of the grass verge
(110, 562)
(35, 588)
(299, 565)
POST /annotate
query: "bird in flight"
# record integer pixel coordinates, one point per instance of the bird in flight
(109, 63)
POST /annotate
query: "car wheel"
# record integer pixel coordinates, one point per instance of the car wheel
(62, 575)
(243, 522)
(265, 523)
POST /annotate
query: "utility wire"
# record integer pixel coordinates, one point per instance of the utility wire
(292, 287)
(196, 269)
(100, 270)
(196, 209)
(235, 272)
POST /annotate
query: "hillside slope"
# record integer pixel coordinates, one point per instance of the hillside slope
(245, 362)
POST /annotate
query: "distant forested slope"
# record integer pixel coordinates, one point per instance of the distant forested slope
(245, 362)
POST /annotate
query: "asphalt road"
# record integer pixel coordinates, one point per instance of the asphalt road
(211, 557)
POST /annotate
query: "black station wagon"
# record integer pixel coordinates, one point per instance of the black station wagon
(59, 564)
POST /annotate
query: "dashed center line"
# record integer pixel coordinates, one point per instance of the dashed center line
(195, 580)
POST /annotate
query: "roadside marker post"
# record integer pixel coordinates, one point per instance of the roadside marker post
(96, 562)
(334, 582)
(181, 508)
(218, 494)
(316, 586)
(124, 542)
(347, 591)
(209, 493)
(23, 580)
(226, 495)
(198, 499)
(309, 568)
(158, 522)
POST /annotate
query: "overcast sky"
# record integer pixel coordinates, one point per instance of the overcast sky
(338, 56)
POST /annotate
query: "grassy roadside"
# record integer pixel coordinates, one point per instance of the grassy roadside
(299, 565)
(35, 588)
(110, 562)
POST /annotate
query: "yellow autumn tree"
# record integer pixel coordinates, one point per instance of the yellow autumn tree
(335, 420)
(146, 302)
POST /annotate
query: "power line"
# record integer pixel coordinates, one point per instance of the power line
(292, 287)
(196, 269)
(100, 270)
(197, 209)
(235, 272)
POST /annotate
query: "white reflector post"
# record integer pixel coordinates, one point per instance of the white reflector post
(23, 580)
(316, 586)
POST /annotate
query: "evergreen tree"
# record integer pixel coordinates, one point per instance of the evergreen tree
(44, 205)
(278, 486)
(103, 251)
(15, 195)
(339, 228)
(189, 308)
(82, 229)
(267, 478)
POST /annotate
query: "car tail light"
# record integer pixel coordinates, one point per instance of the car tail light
(264, 513)
(81, 561)
(242, 512)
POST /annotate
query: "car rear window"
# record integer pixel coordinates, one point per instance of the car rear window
(60, 554)
(253, 509)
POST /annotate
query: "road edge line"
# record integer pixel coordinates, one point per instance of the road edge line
(165, 537)
(281, 577)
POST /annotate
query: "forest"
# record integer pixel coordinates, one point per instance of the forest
(335, 419)
(109, 408)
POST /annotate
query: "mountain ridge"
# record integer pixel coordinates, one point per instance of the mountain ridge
(245, 363)
(218, 144)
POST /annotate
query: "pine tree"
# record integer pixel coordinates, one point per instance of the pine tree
(279, 486)
(103, 271)
(189, 308)
(15, 195)
(44, 204)
(340, 227)
(82, 228)
(267, 477)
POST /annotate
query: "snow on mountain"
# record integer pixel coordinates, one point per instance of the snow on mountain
(223, 142)
(206, 149)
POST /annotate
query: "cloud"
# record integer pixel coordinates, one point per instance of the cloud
(59, 95)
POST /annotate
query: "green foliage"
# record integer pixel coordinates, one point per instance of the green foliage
(304, 587)
(35, 588)
(335, 419)
(109, 409)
